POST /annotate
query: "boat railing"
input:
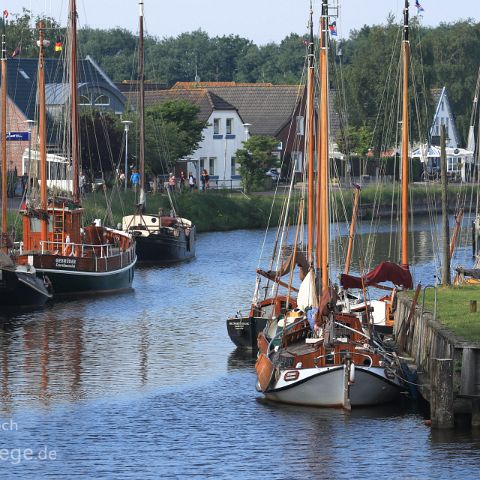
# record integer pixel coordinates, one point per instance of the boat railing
(70, 249)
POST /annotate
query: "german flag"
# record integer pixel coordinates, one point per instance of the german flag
(58, 45)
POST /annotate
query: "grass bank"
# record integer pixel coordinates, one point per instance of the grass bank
(453, 310)
(225, 210)
(210, 211)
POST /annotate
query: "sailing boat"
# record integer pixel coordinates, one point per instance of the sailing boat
(19, 284)
(159, 238)
(319, 354)
(76, 259)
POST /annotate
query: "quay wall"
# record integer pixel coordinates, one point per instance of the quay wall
(448, 368)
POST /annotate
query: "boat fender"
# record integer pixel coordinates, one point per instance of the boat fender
(389, 374)
(351, 377)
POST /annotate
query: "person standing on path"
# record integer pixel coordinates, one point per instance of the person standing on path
(135, 179)
(172, 183)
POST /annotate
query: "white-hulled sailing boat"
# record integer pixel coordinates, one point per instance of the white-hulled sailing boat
(321, 354)
(159, 238)
(76, 259)
(19, 285)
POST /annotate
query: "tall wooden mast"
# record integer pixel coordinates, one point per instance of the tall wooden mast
(4, 141)
(406, 61)
(42, 126)
(74, 101)
(324, 153)
(310, 140)
(141, 129)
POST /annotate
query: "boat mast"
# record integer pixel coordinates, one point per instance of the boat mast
(141, 84)
(406, 61)
(310, 142)
(351, 234)
(42, 125)
(74, 99)
(324, 153)
(4, 141)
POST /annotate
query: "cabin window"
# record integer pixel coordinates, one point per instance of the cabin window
(233, 166)
(213, 161)
(229, 126)
(84, 100)
(216, 126)
(102, 100)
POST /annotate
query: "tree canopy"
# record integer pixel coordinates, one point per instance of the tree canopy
(255, 158)
(172, 131)
(367, 62)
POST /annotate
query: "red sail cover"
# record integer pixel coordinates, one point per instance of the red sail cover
(385, 272)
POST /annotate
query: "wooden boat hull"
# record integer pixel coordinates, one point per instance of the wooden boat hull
(325, 387)
(164, 247)
(21, 289)
(76, 282)
(243, 331)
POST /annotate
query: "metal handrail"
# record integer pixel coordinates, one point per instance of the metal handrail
(63, 245)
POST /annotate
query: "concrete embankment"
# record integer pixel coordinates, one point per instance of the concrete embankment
(448, 368)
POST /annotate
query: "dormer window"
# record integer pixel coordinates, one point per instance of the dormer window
(102, 100)
(84, 100)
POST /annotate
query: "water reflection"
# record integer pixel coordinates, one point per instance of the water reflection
(147, 384)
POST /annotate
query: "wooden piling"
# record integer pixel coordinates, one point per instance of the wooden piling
(441, 393)
(476, 412)
(473, 306)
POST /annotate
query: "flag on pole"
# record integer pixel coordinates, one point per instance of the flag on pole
(16, 52)
(58, 45)
(333, 29)
(420, 9)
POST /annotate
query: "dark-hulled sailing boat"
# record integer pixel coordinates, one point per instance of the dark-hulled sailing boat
(19, 284)
(159, 238)
(88, 260)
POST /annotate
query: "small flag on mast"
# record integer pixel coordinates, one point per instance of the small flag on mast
(333, 29)
(420, 9)
(58, 45)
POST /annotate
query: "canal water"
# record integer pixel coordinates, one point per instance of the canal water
(146, 384)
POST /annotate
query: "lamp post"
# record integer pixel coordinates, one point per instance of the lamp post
(126, 124)
(30, 124)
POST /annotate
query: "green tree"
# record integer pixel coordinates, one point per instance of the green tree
(172, 131)
(101, 140)
(254, 159)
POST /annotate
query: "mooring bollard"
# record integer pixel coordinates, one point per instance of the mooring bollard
(441, 393)
(473, 306)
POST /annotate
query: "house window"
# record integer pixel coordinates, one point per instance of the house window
(102, 100)
(212, 162)
(229, 126)
(233, 166)
(84, 100)
(300, 126)
(216, 126)
(203, 161)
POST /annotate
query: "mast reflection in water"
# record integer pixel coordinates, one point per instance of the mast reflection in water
(147, 384)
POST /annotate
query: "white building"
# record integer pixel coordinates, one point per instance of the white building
(443, 116)
(223, 136)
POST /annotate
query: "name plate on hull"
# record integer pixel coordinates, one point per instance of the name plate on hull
(70, 263)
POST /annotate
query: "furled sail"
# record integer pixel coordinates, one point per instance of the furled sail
(291, 261)
(384, 272)
(307, 295)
